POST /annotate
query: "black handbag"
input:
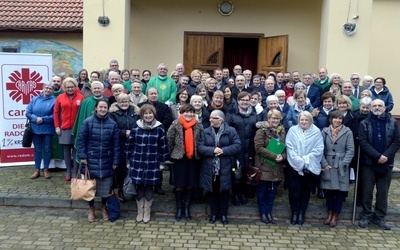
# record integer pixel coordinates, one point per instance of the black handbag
(129, 188)
(27, 137)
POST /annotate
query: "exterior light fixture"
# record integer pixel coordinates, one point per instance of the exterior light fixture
(225, 8)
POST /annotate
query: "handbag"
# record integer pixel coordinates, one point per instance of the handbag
(253, 174)
(27, 137)
(83, 189)
(129, 188)
(113, 207)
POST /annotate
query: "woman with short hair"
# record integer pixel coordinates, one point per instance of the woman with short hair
(65, 111)
(40, 114)
(99, 150)
(335, 164)
(218, 144)
(147, 153)
(304, 149)
(125, 114)
(182, 136)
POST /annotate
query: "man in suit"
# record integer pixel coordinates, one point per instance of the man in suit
(355, 81)
(283, 106)
(312, 90)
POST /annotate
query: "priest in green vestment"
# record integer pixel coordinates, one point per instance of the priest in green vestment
(86, 108)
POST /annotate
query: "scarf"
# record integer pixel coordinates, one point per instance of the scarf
(143, 125)
(246, 113)
(189, 138)
(275, 132)
(198, 113)
(335, 132)
(216, 160)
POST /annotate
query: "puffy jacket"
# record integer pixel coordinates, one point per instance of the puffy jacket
(230, 144)
(41, 107)
(246, 129)
(385, 96)
(65, 109)
(294, 112)
(369, 155)
(99, 144)
(125, 119)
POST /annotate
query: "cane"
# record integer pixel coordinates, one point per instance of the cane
(356, 188)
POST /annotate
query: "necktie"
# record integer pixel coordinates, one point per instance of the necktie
(356, 92)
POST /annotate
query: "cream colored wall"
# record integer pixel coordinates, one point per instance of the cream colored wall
(340, 53)
(71, 39)
(103, 44)
(384, 56)
(157, 28)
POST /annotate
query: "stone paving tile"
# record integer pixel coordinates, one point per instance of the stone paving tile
(16, 189)
(31, 228)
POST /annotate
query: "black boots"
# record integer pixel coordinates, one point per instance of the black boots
(183, 198)
(188, 197)
(295, 218)
(179, 203)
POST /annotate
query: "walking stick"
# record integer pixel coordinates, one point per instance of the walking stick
(356, 188)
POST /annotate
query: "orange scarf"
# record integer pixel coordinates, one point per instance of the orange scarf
(189, 140)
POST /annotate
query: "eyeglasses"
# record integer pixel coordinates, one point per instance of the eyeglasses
(244, 100)
(214, 118)
(70, 87)
(146, 74)
(135, 75)
(355, 79)
(114, 65)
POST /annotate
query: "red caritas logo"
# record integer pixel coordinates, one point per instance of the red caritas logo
(24, 85)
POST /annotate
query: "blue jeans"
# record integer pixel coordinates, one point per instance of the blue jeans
(266, 191)
(42, 145)
(334, 200)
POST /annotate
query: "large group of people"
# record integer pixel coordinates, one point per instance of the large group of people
(309, 132)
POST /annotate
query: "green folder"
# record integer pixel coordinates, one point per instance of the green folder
(276, 147)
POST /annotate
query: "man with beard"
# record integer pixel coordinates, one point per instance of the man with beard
(56, 84)
(379, 140)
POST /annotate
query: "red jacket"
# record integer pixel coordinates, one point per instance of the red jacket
(65, 109)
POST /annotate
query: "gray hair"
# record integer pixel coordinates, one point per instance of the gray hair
(97, 82)
(195, 97)
(219, 114)
(366, 101)
(279, 91)
(298, 85)
(271, 98)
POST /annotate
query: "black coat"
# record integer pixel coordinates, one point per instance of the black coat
(230, 144)
(125, 119)
(365, 137)
(246, 129)
(99, 144)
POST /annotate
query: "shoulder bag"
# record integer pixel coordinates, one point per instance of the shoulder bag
(83, 189)
(27, 137)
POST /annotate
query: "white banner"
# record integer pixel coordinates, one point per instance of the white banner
(22, 78)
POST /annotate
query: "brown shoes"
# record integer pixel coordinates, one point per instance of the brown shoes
(36, 174)
(104, 212)
(47, 174)
(91, 214)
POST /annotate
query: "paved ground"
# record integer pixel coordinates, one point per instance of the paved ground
(16, 189)
(44, 228)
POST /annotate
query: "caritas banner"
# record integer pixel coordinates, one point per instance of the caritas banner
(22, 78)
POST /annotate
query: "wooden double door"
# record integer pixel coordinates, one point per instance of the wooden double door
(207, 51)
